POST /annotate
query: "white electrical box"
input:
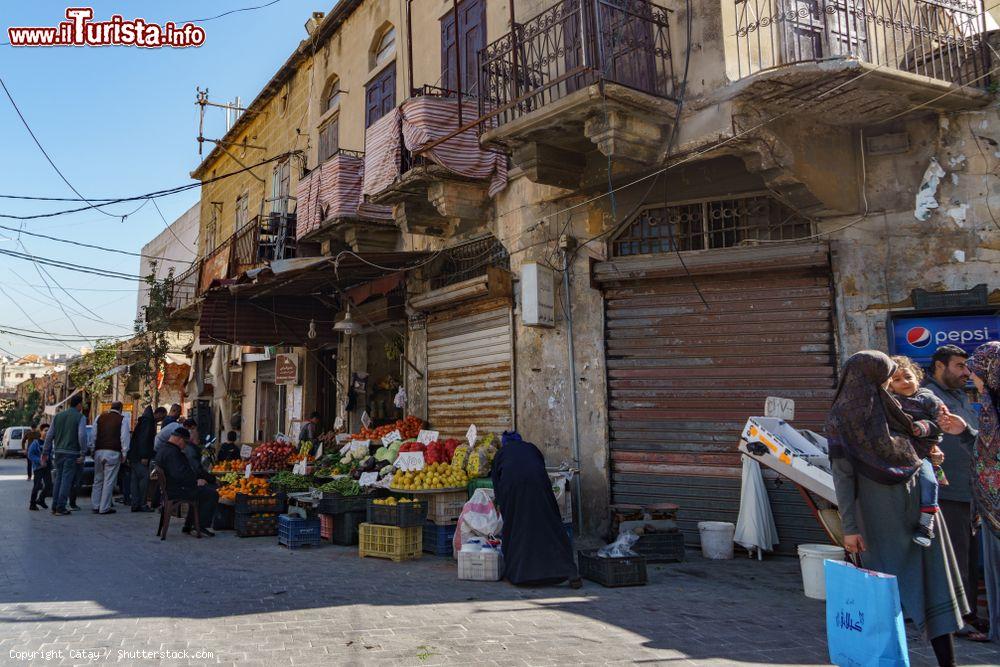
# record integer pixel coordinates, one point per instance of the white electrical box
(538, 295)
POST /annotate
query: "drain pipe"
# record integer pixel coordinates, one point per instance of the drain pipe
(571, 352)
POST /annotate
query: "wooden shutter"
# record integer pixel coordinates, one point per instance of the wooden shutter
(470, 376)
(329, 139)
(380, 95)
(472, 32)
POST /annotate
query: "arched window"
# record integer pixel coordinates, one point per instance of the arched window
(332, 96)
(384, 46)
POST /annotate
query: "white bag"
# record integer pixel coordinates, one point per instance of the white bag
(479, 518)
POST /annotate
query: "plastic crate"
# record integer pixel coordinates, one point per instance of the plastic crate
(480, 565)
(392, 542)
(276, 503)
(613, 572)
(480, 483)
(345, 528)
(445, 508)
(225, 518)
(661, 547)
(256, 525)
(326, 526)
(401, 515)
(295, 532)
(438, 539)
(337, 504)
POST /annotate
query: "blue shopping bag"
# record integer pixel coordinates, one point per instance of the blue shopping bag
(864, 622)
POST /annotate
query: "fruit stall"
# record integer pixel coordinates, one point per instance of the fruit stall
(395, 492)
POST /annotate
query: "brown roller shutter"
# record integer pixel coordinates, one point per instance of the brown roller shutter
(470, 369)
(682, 380)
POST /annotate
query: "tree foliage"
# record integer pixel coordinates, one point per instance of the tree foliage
(150, 344)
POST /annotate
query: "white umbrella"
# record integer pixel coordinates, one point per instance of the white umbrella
(755, 525)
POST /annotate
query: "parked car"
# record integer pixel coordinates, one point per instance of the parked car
(13, 441)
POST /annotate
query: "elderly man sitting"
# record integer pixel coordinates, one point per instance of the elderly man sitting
(184, 483)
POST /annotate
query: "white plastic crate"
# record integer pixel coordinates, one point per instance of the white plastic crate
(479, 565)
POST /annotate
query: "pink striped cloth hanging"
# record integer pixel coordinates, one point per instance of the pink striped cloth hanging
(382, 154)
(427, 119)
(331, 191)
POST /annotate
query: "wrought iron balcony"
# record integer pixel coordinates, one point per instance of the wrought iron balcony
(940, 39)
(582, 72)
(185, 287)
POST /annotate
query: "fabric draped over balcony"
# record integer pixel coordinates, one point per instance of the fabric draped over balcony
(418, 122)
(333, 190)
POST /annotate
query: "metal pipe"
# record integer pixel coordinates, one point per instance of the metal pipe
(571, 353)
(409, 47)
(458, 60)
(513, 53)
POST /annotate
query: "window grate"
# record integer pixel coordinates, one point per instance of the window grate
(710, 225)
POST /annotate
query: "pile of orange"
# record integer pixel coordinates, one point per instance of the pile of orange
(236, 465)
(253, 486)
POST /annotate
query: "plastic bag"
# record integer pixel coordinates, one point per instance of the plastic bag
(479, 518)
(479, 463)
(620, 548)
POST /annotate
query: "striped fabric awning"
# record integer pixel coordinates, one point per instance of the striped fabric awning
(382, 154)
(333, 190)
(427, 119)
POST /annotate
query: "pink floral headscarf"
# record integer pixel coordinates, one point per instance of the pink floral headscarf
(985, 363)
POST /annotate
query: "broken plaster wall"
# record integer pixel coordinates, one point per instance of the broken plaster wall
(543, 389)
(933, 223)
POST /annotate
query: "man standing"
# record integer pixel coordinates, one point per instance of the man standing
(949, 374)
(173, 417)
(183, 483)
(26, 440)
(66, 442)
(140, 452)
(110, 448)
(310, 431)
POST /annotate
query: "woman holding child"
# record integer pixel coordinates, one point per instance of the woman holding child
(877, 469)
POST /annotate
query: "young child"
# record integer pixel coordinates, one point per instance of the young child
(42, 486)
(926, 409)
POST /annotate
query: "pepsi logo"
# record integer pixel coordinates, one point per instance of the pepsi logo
(919, 336)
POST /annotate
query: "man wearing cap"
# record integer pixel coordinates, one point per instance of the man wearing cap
(111, 442)
(183, 483)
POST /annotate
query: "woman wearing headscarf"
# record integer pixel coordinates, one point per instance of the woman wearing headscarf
(874, 466)
(985, 367)
(536, 548)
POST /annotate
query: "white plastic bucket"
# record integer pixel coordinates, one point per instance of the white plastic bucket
(811, 557)
(717, 539)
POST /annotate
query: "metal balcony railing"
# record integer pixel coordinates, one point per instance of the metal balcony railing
(571, 45)
(185, 287)
(941, 39)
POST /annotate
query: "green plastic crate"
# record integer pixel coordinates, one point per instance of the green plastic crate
(480, 483)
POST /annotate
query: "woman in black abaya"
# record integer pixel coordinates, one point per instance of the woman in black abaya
(536, 548)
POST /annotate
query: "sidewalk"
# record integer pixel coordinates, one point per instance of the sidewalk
(106, 583)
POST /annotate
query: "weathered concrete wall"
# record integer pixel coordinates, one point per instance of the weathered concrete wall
(879, 259)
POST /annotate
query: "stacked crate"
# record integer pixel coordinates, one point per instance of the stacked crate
(443, 511)
(393, 531)
(257, 516)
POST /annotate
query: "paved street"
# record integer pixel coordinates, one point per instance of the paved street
(106, 584)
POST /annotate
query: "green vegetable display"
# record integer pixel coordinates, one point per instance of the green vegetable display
(345, 486)
(290, 482)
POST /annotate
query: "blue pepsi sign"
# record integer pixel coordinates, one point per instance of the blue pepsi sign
(917, 336)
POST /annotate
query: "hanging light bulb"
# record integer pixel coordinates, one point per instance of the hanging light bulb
(312, 329)
(348, 326)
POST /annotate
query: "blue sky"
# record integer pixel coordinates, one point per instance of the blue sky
(117, 121)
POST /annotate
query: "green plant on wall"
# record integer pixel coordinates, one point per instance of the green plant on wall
(88, 372)
(150, 345)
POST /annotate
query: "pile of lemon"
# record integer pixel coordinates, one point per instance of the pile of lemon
(392, 501)
(433, 476)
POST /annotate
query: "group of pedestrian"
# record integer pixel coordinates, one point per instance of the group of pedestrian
(916, 470)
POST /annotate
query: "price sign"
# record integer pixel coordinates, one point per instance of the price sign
(427, 437)
(246, 473)
(782, 408)
(368, 478)
(246, 451)
(410, 461)
(392, 437)
(366, 421)
(471, 435)
(319, 451)
(338, 423)
(300, 467)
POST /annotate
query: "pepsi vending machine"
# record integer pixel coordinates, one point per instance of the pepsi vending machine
(917, 334)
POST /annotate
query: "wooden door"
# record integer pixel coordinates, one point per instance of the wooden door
(472, 37)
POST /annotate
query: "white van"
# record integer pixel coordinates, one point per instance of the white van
(13, 441)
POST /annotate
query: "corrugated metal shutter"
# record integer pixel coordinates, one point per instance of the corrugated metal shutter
(470, 371)
(682, 380)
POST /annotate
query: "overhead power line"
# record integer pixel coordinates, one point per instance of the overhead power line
(71, 267)
(90, 245)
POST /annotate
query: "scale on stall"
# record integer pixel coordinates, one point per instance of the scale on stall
(800, 456)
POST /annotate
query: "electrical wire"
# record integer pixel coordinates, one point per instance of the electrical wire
(61, 338)
(23, 311)
(71, 267)
(231, 11)
(172, 233)
(81, 244)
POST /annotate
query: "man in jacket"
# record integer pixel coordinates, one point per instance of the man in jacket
(66, 443)
(183, 483)
(949, 375)
(140, 452)
(111, 442)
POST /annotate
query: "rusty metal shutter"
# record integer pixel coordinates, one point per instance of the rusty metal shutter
(682, 380)
(470, 370)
